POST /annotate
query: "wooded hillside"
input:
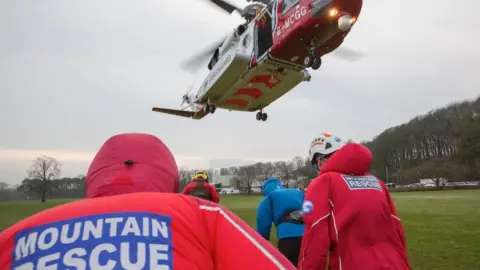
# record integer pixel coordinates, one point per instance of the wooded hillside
(443, 143)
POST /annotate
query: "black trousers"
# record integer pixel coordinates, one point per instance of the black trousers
(290, 248)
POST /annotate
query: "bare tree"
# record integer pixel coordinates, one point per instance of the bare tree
(265, 170)
(297, 164)
(210, 175)
(4, 192)
(285, 168)
(45, 169)
(185, 177)
(436, 170)
(234, 170)
(247, 174)
(3, 186)
(268, 169)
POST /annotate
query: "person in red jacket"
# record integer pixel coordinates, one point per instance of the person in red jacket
(348, 213)
(201, 188)
(132, 219)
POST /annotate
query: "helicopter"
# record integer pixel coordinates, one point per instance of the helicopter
(268, 54)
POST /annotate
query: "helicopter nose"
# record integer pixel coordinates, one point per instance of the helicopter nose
(345, 22)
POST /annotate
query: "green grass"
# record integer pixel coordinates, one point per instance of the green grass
(442, 227)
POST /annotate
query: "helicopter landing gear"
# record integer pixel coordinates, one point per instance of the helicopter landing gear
(261, 116)
(312, 61)
(307, 62)
(316, 63)
(210, 108)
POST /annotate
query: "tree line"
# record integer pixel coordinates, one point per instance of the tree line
(298, 170)
(444, 143)
(44, 181)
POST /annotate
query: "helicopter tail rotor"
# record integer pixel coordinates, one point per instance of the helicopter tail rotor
(187, 98)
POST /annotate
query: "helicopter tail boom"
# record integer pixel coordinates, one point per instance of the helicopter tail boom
(197, 113)
(188, 114)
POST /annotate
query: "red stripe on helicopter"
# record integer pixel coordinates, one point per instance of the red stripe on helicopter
(269, 80)
(253, 61)
(237, 102)
(255, 93)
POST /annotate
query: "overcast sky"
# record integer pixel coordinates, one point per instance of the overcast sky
(74, 73)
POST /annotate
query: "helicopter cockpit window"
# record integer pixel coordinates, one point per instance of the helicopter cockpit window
(288, 4)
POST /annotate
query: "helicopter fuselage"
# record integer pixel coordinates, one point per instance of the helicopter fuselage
(236, 82)
(266, 57)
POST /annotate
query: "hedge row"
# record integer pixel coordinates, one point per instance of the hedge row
(410, 189)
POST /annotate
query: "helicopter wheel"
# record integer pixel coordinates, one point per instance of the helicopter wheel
(264, 117)
(308, 61)
(209, 108)
(316, 63)
(212, 108)
(261, 116)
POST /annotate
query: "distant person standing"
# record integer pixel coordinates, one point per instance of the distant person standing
(348, 213)
(201, 188)
(282, 207)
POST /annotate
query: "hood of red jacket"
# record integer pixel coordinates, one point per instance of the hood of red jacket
(352, 158)
(132, 162)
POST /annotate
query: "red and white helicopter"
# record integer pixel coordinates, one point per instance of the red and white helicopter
(268, 54)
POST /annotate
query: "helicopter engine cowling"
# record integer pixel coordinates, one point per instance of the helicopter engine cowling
(240, 30)
(227, 43)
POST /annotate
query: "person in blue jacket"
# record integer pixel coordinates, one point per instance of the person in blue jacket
(282, 207)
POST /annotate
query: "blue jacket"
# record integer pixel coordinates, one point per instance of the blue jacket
(276, 203)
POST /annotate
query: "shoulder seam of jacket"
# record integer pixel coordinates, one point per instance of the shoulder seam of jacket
(397, 218)
(245, 233)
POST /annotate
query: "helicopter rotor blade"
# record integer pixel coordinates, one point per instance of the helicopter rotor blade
(196, 61)
(226, 6)
(348, 54)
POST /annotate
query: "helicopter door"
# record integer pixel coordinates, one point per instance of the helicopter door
(264, 32)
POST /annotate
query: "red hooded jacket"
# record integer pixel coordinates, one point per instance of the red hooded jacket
(207, 186)
(128, 223)
(350, 214)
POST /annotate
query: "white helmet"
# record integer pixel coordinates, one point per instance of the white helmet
(323, 145)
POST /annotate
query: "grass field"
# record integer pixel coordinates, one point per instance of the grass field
(442, 227)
